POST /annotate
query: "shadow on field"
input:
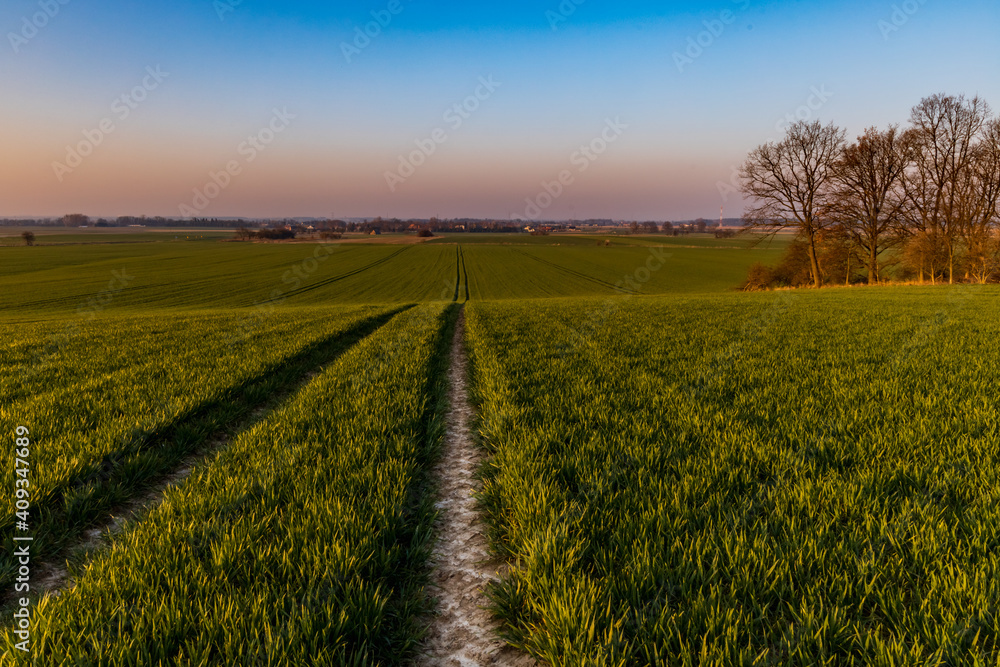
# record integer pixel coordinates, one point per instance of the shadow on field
(61, 517)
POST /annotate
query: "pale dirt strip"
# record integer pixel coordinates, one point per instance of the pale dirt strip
(463, 633)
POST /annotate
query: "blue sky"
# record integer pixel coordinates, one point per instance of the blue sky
(690, 118)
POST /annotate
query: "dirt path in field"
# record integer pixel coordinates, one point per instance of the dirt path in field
(463, 633)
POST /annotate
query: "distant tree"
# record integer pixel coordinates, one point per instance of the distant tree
(243, 234)
(701, 225)
(867, 192)
(425, 233)
(279, 234)
(787, 181)
(650, 227)
(29, 238)
(634, 227)
(668, 227)
(75, 220)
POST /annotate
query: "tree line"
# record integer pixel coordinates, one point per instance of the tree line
(922, 199)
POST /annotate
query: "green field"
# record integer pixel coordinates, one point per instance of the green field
(47, 279)
(312, 553)
(49, 236)
(678, 473)
(821, 491)
(116, 413)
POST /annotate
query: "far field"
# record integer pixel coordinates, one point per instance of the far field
(678, 473)
(207, 273)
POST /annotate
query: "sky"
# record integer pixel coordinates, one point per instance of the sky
(558, 109)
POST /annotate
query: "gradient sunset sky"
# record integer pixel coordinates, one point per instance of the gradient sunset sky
(227, 66)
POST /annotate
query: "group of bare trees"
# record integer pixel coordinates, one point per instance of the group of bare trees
(925, 197)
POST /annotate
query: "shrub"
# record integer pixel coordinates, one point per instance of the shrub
(760, 277)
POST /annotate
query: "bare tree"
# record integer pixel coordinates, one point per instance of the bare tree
(945, 130)
(979, 206)
(29, 238)
(788, 183)
(867, 194)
